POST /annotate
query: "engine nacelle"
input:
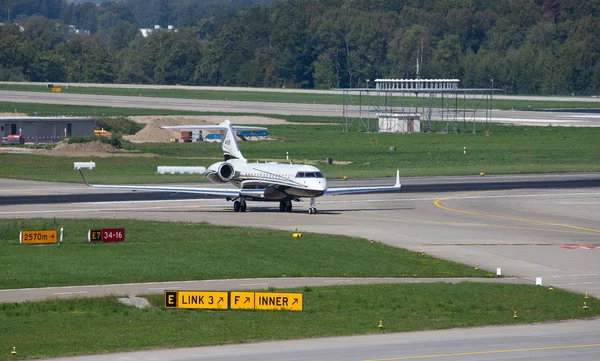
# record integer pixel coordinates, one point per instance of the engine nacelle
(221, 172)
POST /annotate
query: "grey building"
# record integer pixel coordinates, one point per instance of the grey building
(44, 129)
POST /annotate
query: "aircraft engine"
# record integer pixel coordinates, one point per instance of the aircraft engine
(221, 172)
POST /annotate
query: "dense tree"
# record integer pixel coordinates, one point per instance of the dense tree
(542, 46)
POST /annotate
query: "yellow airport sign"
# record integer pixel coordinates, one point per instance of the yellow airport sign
(278, 301)
(38, 236)
(57, 90)
(241, 300)
(197, 299)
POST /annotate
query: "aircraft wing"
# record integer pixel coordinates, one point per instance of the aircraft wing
(358, 190)
(217, 192)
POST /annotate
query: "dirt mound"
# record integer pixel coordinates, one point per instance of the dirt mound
(95, 148)
(13, 114)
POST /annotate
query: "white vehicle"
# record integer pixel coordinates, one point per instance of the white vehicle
(265, 182)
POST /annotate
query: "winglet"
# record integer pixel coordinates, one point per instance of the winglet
(398, 185)
(84, 165)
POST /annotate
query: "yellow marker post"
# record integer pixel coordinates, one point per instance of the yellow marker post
(14, 351)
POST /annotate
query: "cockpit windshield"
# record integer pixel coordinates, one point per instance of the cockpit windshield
(309, 175)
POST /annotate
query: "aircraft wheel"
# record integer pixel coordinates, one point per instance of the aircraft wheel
(243, 207)
(281, 206)
(288, 206)
(236, 206)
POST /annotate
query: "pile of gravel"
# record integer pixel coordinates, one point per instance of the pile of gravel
(134, 301)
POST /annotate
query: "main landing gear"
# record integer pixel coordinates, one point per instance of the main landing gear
(312, 208)
(239, 206)
(285, 206)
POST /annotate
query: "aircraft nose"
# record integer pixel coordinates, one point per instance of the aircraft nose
(323, 184)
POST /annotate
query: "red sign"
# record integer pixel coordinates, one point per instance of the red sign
(113, 234)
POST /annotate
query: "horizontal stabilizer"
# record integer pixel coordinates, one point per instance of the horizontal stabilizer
(241, 128)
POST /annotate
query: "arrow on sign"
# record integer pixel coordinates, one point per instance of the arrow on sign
(220, 300)
(295, 301)
(52, 236)
(247, 300)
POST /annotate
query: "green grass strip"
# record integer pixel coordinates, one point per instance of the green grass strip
(307, 98)
(509, 149)
(100, 325)
(170, 251)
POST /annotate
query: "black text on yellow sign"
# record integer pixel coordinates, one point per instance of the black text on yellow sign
(38, 236)
(242, 300)
(233, 300)
(197, 299)
(278, 301)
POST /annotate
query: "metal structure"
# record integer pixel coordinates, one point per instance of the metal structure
(440, 105)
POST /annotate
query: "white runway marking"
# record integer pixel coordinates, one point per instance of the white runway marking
(253, 284)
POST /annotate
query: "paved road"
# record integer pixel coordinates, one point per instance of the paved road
(498, 116)
(573, 340)
(133, 289)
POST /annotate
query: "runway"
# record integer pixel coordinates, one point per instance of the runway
(573, 340)
(563, 118)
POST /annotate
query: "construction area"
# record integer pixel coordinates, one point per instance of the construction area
(418, 105)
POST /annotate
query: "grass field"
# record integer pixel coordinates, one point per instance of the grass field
(169, 251)
(309, 98)
(86, 326)
(509, 149)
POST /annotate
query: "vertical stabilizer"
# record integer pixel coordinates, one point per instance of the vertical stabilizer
(231, 150)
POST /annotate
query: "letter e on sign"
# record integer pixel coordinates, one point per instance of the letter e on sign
(95, 235)
(170, 299)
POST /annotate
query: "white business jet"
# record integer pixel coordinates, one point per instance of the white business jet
(269, 181)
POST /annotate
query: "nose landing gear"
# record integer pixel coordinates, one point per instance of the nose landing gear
(312, 208)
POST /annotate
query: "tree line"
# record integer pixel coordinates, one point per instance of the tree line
(525, 46)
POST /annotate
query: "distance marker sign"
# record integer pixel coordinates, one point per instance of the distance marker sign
(38, 236)
(197, 299)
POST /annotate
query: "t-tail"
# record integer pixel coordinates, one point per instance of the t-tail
(231, 150)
